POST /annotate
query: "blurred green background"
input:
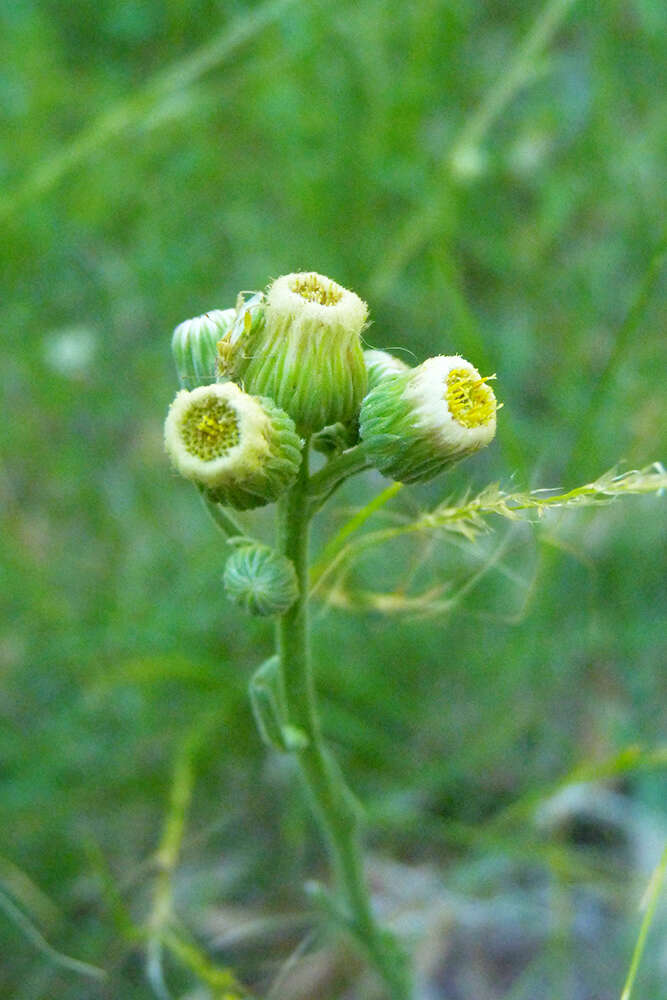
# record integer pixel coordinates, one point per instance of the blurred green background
(491, 179)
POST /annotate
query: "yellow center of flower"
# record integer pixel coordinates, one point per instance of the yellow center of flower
(209, 429)
(471, 401)
(311, 288)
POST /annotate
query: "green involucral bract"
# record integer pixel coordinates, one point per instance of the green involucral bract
(302, 349)
(419, 422)
(194, 346)
(381, 365)
(260, 580)
(242, 450)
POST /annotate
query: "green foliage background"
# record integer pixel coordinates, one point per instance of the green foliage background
(160, 156)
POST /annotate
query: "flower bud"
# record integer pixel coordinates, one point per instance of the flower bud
(248, 320)
(194, 346)
(243, 451)
(416, 424)
(381, 365)
(261, 580)
(303, 351)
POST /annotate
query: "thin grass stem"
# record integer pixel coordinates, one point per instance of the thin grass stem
(420, 225)
(650, 902)
(132, 110)
(39, 941)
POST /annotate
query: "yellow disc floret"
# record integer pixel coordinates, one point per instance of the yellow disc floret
(209, 429)
(416, 423)
(315, 287)
(471, 402)
(242, 450)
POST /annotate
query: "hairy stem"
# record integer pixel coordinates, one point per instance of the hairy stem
(333, 803)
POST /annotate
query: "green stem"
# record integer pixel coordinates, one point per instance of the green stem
(649, 903)
(332, 801)
(224, 520)
(324, 482)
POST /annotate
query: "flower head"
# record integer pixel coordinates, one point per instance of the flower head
(243, 451)
(303, 350)
(260, 580)
(381, 365)
(194, 346)
(418, 423)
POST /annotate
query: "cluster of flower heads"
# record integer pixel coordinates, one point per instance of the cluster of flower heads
(288, 365)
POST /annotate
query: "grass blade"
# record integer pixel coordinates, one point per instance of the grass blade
(649, 904)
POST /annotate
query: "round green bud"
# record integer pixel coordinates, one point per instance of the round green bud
(261, 580)
(303, 351)
(418, 423)
(381, 365)
(242, 450)
(194, 346)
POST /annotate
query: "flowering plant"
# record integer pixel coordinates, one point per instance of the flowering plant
(266, 384)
